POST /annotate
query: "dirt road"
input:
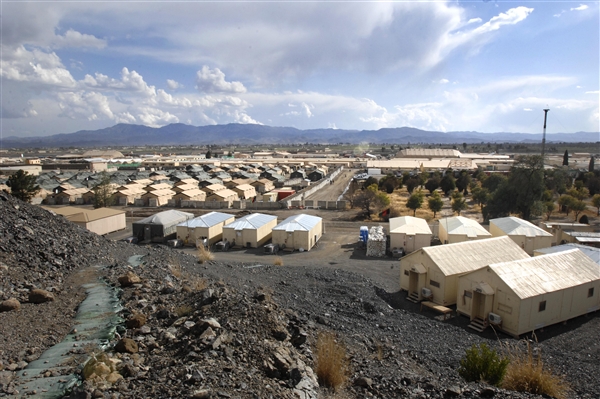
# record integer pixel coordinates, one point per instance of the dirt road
(333, 191)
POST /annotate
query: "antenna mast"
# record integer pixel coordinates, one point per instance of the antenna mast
(544, 135)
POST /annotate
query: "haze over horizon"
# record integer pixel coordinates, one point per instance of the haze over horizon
(438, 66)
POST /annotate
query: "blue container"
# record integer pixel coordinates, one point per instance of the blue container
(364, 233)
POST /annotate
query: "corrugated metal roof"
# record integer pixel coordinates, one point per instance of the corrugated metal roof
(167, 218)
(252, 221)
(409, 225)
(208, 220)
(547, 273)
(299, 222)
(593, 253)
(519, 227)
(467, 256)
(464, 226)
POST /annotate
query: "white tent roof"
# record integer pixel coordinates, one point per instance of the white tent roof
(252, 221)
(518, 227)
(593, 253)
(300, 222)
(547, 273)
(463, 226)
(167, 218)
(208, 220)
(468, 256)
(409, 225)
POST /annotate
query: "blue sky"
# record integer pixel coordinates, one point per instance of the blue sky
(447, 66)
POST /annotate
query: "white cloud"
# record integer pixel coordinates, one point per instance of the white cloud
(155, 117)
(443, 81)
(511, 17)
(173, 84)
(527, 109)
(593, 92)
(35, 66)
(130, 81)
(72, 38)
(580, 8)
(213, 81)
(474, 21)
(90, 106)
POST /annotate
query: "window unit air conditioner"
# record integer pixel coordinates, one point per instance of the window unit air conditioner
(494, 318)
(426, 292)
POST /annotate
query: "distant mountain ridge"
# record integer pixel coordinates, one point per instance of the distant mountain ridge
(248, 134)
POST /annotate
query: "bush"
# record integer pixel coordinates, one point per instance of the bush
(332, 365)
(526, 373)
(483, 364)
(278, 261)
(204, 254)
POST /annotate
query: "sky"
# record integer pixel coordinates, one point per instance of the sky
(486, 66)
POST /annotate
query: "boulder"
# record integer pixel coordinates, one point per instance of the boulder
(136, 321)
(10, 304)
(129, 279)
(126, 345)
(40, 296)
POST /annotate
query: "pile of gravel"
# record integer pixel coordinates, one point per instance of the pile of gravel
(242, 330)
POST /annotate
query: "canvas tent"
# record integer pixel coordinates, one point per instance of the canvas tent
(250, 231)
(593, 253)
(209, 226)
(529, 236)
(438, 268)
(161, 226)
(409, 233)
(529, 294)
(458, 229)
(298, 232)
(100, 221)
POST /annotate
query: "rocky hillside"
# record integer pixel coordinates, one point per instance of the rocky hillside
(217, 330)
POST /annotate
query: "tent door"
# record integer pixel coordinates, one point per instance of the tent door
(478, 306)
(413, 282)
(147, 233)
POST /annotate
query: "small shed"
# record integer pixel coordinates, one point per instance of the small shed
(161, 226)
(528, 294)
(250, 231)
(459, 228)
(100, 221)
(298, 232)
(209, 226)
(437, 268)
(155, 198)
(409, 233)
(529, 236)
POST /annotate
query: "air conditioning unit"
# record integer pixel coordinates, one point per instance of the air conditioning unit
(426, 292)
(494, 318)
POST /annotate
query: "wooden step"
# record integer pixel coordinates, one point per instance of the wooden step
(478, 325)
(414, 297)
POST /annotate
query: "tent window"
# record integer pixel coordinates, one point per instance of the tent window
(434, 283)
(406, 273)
(542, 306)
(591, 292)
(469, 294)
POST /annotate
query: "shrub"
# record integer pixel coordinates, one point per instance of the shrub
(526, 373)
(332, 366)
(278, 261)
(204, 254)
(483, 364)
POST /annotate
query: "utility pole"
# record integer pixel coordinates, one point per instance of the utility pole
(544, 135)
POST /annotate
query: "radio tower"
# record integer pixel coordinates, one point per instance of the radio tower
(544, 135)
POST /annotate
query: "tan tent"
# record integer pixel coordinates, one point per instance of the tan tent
(409, 233)
(437, 268)
(458, 229)
(208, 226)
(100, 221)
(529, 294)
(526, 234)
(250, 231)
(298, 232)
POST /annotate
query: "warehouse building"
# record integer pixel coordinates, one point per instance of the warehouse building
(459, 228)
(528, 294)
(250, 231)
(298, 232)
(437, 268)
(529, 236)
(208, 226)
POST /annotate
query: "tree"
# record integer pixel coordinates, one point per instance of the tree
(389, 183)
(526, 182)
(415, 201)
(436, 203)
(557, 180)
(578, 206)
(22, 185)
(412, 183)
(371, 200)
(480, 195)
(596, 202)
(493, 181)
(464, 147)
(549, 207)
(463, 180)
(208, 154)
(565, 202)
(591, 165)
(579, 193)
(458, 202)
(566, 158)
(433, 183)
(448, 183)
(103, 192)
(370, 181)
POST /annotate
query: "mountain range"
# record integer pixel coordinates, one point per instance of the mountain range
(249, 134)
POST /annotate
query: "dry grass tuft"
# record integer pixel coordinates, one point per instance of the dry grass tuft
(332, 365)
(204, 254)
(195, 283)
(526, 373)
(278, 261)
(176, 269)
(183, 310)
